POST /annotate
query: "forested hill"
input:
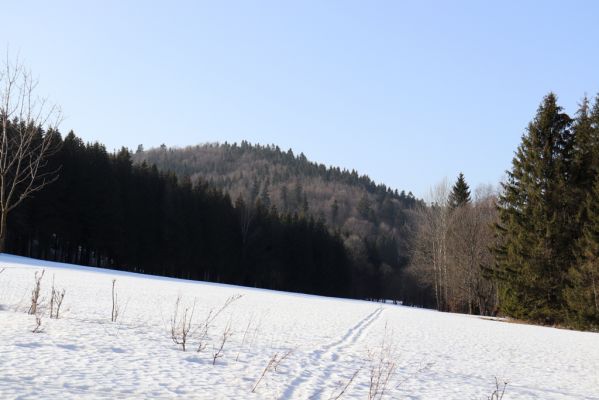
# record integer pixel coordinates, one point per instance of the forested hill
(344, 199)
(374, 220)
(290, 182)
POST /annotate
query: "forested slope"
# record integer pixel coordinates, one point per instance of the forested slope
(104, 211)
(375, 221)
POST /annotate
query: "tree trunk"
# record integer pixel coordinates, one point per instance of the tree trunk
(3, 227)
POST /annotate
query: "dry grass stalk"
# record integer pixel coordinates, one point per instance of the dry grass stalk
(115, 303)
(245, 332)
(382, 367)
(204, 328)
(38, 324)
(218, 352)
(56, 301)
(273, 363)
(181, 325)
(499, 390)
(35, 293)
(346, 386)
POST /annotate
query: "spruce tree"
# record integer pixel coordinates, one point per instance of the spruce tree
(460, 193)
(536, 246)
(582, 294)
(585, 158)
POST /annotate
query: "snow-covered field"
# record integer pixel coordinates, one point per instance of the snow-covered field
(322, 348)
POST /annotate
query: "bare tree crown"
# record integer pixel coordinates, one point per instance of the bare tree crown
(28, 125)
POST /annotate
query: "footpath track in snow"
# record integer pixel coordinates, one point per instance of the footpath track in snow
(327, 359)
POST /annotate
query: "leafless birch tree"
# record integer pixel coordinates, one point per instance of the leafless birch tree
(452, 249)
(429, 261)
(28, 124)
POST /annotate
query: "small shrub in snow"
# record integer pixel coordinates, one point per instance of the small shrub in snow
(218, 351)
(204, 328)
(346, 386)
(181, 324)
(56, 299)
(382, 367)
(499, 390)
(35, 293)
(272, 365)
(38, 324)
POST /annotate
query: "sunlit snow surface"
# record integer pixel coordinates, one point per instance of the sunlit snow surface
(436, 355)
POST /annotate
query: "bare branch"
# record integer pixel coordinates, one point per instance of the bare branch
(37, 328)
(28, 125)
(499, 391)
(56, 299)
(273, 363)
(382, 366)
(227, 333)
(35, 293)
(116, 308)
(212, 315)
(181, 325)
(347, 385)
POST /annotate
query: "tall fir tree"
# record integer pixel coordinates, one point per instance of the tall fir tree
(582, 293)
(534, 232)
(460, 193)
(585, 160)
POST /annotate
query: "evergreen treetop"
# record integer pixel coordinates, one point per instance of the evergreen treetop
(460, 193)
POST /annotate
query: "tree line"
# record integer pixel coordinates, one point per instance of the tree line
(104, 211)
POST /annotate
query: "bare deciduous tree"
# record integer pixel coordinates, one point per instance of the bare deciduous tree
(471, 238)
(453, 248)
(429, 263)
(25, 147)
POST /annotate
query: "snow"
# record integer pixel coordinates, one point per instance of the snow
(324, 343)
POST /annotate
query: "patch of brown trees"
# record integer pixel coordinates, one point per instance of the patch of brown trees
(453, 249)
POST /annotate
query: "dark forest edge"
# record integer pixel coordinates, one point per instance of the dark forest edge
(104, 211)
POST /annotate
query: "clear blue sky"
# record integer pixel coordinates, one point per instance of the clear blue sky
(407, 92)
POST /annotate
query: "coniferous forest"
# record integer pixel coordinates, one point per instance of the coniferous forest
(548, 232)
(105, 212)
(258, 216)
